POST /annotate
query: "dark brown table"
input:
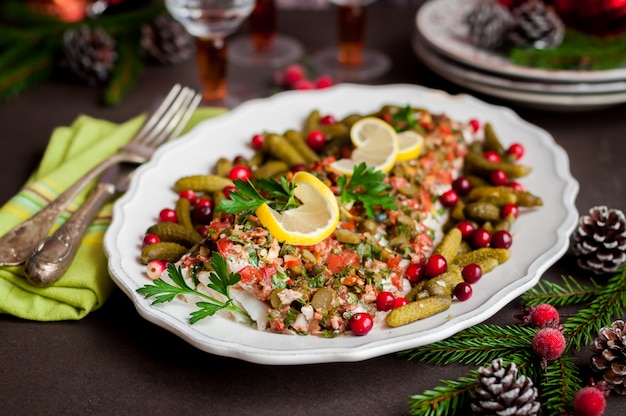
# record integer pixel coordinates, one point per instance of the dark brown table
(113, 362)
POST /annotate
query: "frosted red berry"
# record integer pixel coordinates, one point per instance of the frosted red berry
(467, 229)
(462, 185)
(449, 198)
(480, 238)
(168, 215)
(492, 156)
(304, 84)
(463, 291)
(590, 401)
(435, 265)
(542, 314)
(257, 142)
(323, 81)
(293, 74)
(316, 140)
(472, 273)
(385, 301)
(498, 177)
(516, 150)
(549, 343)
(415, 272)
(501, 239)
(361, 323)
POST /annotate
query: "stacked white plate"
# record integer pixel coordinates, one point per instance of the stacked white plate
(442, 43)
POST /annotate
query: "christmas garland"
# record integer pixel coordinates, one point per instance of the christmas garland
(560, 386)
(108, 49)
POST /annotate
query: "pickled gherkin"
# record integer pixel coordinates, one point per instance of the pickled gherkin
(449, 245)
(175, 233)
(478, 255)
(280, 148)
(163, 250)
(419, 309)
(202, 183)
(477, 164)
(183, 213)
(297, 140)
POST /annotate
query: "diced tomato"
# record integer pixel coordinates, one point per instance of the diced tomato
(338, 262)
(291, 261)
(224, 246)
(249, 275)
(398, 182)
(445, 129)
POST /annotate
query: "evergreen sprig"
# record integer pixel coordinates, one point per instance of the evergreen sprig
(446, 399)
(571, 292)
(558, 384)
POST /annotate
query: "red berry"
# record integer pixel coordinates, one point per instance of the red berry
(515, 185)
(361, 323)
(480, 238)
(385, 301)
(472, 273)
(240, 172)
(323, 81)
(257, 142)
(492, 156)
(168, 215)
(294, 73)
(467, 229)
(327, 120)
(463, 291)
(542, 314)
(501, 239)
(415, 272)
(474, 124)
(203, 230)
(316, 140)
(399, 302)
(188, 194)
(298, 167)
(590, 401)
(449, 198)
(304, 84)
(549, 343)
(150, 239)
(498, 177)
(517, 150)
(205, 202)
(228, 189)
(435, 265)
(155, 268)
(462, 185)
(509, 209)
(203, 211)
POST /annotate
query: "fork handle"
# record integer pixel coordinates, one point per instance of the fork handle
(19, 243)
(49, 262)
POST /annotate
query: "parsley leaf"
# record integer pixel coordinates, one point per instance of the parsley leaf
(404, 119)
(367, 187)
(219, 280)
(246, 199)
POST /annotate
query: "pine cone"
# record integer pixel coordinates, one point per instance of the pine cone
(89, 54)
(500, 392)
(609, 356)
(489, 23)
(600, 240)
(536, 25)
(167, 41)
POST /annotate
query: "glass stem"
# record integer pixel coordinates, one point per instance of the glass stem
(351, 22)
(212, 64)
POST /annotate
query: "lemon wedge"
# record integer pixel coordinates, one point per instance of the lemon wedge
(311, 222)
(410, 145)
(376, 145)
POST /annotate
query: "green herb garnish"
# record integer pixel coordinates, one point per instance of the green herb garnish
(220, 281)
(367, 187)
(247, 198)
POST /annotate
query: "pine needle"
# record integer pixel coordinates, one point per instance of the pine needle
(447, 399)
(126, 72)
(570, 292)
(559, 384)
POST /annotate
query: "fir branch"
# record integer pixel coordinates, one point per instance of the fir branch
(478, 345)
(609, 303)
(571, 292)
(126, 71)
(559, 384)
(447, 399)
(34, 68)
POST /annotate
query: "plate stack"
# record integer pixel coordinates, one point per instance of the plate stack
(442, 43)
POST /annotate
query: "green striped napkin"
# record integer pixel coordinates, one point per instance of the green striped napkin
(72, 151)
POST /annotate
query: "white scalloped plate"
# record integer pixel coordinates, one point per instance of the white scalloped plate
(542, 236)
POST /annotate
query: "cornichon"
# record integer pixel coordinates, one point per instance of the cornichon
(270, 168)
(420, 309)
(482, 211)
(449, 245)
(175, 233)
(477, 164)
(202, 183)
(162, 251)
(492, 142)
(500, 254)
(279, 148)
(183, 213)
(296, 139)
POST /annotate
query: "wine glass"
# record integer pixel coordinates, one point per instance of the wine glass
(350, 60)
(264, 47)
(210, 22)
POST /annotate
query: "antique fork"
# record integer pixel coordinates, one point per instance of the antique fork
(19, 243)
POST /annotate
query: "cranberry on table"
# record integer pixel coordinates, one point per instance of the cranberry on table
(480, 238)
(501, 239)
(316, 140)
(435, 265)
(385, 301)
(361, 323)
(449, 198)
(240, 172)
(168, 215)
(463, 291)
(498, 177)
(472, 273)
(509, 209)
(415, 272)
(150, 239)
(257, 141)
(467, 229)
(462, 185)
(517, 150)
(492, 156)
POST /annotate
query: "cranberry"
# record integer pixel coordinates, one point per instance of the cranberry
(150, 239)
(323, 81)
(257, 142)
(294, 73)
(498, 177)
(509, 209)
(415, 272)
(188, 194)
(316, 140)
(298, 167)
(168, 215)
(463, 291)
(240, 160)
(202, 213)
(435, 265)
(361, 323)
(327, 119)
(492, 156)
(472, 273)
(480, 238)
(449, 198)
(474, 124)
(501, 239)
(517, 150)
(203, 230)
(467, 229)
(304, 84)
(240, 172)
(462, 185)
(205, 202)
(515, 185)
(385, 301)
(155, 268)
(228, 189)
(400, 302)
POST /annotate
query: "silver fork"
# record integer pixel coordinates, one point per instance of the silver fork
(19, 243)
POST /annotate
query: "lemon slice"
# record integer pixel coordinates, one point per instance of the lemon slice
(410, 145)
(309, 223)
(376, 145)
